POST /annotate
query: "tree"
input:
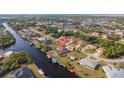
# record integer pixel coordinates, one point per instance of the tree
(46, 48)
(114, 37)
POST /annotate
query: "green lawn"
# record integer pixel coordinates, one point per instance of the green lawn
(6, 40)
(80, 71)
(14, 61)
(91, 51)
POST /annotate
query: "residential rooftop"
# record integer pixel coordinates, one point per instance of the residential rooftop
(112, 72)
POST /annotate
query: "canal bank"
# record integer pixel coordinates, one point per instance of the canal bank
(50, 70)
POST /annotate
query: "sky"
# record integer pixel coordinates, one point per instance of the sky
(61, 6)
(11, 15)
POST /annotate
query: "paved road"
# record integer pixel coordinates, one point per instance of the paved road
(103, 59)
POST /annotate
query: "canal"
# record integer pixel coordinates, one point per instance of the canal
(50, 69)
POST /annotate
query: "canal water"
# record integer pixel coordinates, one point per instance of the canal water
(50, 69)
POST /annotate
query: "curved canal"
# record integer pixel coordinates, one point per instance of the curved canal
(50, 69)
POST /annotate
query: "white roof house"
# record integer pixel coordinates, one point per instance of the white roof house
(88, 63)
(112, 72)
(8, 53)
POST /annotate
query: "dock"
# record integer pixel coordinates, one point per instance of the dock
(36, 71)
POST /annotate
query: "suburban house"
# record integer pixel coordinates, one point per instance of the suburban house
(112, 72)
(61, 50)
(44, 40)
(51, 53)
(23, 72)
(70, 41)
(70, 47)
(119, 33)
(88, 63)
(94, 34)
(29, 32)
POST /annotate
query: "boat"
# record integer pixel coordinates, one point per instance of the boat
(30, 44)
(24, 37)
(53, 60)
(71, 69)
(48, 56)
(59, 63)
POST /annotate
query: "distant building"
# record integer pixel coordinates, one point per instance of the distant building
(94, 34)
(112, 72)
(23, 72)
(61, 50)
(53, 60)
(70, 47)
(59, 30)
(29, 32)
(72, 58)
(119, 33)
(51, 53)
(44, 40)
(88, 63)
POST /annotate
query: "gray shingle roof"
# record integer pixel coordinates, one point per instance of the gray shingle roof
(85, 62)
(113, 72)
(23, 72)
